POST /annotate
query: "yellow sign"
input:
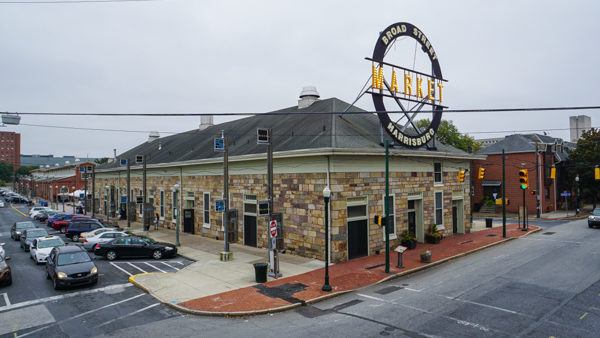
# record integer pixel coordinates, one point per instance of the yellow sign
(413, 84)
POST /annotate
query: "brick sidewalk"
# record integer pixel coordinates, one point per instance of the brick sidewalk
(346, 276)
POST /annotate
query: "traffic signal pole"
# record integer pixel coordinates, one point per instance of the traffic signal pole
(537, 183)
(503, 194)
(387, 207)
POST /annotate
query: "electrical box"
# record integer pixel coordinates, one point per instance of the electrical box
(263, 208)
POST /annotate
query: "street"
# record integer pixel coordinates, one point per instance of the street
(542, 285)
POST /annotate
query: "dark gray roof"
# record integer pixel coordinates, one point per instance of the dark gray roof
(290, 132)
(51, 160)
(521, 143)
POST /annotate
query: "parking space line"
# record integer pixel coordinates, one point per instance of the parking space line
(128, 315)
(82, 314)
(6, 300)
(155, 267)
(135, 266)
(178, 262)
(120, 268)
(171, 266)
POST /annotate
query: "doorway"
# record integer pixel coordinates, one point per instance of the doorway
(415, 217)
(250, 220)
(358, 228)
(458, 219)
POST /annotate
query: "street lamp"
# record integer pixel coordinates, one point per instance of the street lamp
(578, 192)
(175, 189)
(107, 204)
(64, 190)
(326, 196)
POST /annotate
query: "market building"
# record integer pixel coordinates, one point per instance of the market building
(314, 146)
(53, 183)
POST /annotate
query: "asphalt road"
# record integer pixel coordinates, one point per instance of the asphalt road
(31, 307)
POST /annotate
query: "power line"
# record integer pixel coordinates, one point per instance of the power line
(62, 2)
(274, 113)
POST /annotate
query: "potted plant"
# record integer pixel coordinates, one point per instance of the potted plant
(433, 236)
(426, 256)
(408, 240)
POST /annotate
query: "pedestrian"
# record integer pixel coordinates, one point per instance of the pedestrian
(156, 222)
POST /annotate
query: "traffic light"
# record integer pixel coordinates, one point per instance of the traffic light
(597, 173)
(523, 178)
(379, 220)
(481, 173)
(553, 172)
(461, 176)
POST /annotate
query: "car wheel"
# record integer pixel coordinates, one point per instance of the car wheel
(111, 255)
(75, 238)
(157, 254)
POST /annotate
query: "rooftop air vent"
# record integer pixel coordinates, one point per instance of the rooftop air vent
(308, 96)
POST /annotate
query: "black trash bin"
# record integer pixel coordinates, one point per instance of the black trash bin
(488, 222)
(260, 272)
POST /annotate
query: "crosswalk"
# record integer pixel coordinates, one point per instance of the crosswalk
(131, 268)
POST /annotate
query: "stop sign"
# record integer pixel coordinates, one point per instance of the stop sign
(273, 228)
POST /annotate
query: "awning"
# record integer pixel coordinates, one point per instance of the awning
(491, 183)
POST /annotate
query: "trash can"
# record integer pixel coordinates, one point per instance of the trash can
(488, 222)
(260, 272)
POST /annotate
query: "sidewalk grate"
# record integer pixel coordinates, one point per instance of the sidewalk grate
(388, 289)
(375, 266)
(491, 235)
(465, 242)
(548, 233)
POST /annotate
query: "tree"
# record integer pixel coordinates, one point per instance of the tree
(6, 172)
(447, 133)
(582, 160)
(101, 160)
(25, 170)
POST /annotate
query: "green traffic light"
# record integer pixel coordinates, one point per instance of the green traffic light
(523, 186)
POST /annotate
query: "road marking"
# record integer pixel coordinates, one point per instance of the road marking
(135, 266)
(583, 316)
(549, 240)
(129, 315)
(178, 262)
(118, 267)
(155, 267)
(17, 210)
(22, 319)
(67, 295)
(171, 266)
(82, 314)
(485, 305)
(6, 300)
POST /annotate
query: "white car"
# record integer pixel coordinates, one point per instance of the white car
(94, 233)
(32, 213)
(1, 204)
(101, 238)
(40, 247)
(2, 252)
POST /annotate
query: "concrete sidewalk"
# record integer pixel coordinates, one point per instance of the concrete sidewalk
(208, 275)
(211, 287)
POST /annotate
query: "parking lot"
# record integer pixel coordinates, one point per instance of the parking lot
(31, 306)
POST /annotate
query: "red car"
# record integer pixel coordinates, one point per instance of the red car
(61, 225)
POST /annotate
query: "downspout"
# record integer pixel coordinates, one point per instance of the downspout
(329, 207)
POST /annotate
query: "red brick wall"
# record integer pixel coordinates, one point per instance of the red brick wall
(514, 161)
(10, 148)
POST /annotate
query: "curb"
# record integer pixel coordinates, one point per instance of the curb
(17, 210)
(323, 297)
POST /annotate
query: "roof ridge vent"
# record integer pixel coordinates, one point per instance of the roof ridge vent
(154, 135)
(308, 96)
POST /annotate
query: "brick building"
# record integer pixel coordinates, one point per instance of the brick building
(311, 151)
(521, 152)
(51, 182)
(10, 148)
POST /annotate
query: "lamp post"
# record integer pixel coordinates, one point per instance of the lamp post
(73, 202)
(326, 196)
(175, 189)
(62, 189)
(578, 192)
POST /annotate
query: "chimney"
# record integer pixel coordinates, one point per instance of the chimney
(205, 122)
(308, 96)
(154, 135)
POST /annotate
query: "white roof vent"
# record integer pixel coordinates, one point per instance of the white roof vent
(154, 135)
(308, 96)
(206, 121)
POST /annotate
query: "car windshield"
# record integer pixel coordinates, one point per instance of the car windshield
(73, 258)
(596, 212)
(25, 225)
(36, 233)
(50, 243)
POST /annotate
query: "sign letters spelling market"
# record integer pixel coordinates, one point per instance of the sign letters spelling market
(405, 86)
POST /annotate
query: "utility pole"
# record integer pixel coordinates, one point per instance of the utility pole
(537, 182)
(93, 191)
(387, 207)
(503, 194)
(273, 242)
(524, 212)
(226, 255)
(145, 224)
(85, 204)
(127, 206)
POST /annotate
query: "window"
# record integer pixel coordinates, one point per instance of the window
(437, 172)
(162, 204)
(439, 211)
(392, 217)
(206, 210)
(190, 200)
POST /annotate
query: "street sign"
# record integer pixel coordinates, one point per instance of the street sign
(495, 195)
(220, 205)
(82, 169)
(262, 136)
(123, 162)
(219, 144)
(123, 199)
(565, 194)
(263, 208)
(273, 228)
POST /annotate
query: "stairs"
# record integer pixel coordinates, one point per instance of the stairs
(488, 209)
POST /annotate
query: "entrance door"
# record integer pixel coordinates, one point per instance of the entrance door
(454, 219)
(188, 221)
(412, 218)
(358, 244)
(458, 218)
(250, 230)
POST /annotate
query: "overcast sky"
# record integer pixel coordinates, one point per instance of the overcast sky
(238, 56)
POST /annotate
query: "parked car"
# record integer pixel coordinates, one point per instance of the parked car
(134, 246)
(5, 272)
(33, 214)
(1, 204)
(95, 232)
(70, 266)
(29, 235)
(40, 247)
(2, 252)
(104, 237)
(594, 218)
(36, 209)
(60, 221)
(18, 227)
(44, 215)
(79, 226)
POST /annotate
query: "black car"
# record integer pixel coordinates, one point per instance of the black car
(18, 227)
(5, 273)
(70, 266)
(29, 235)
(77, 227)
(134, 246)
(594, 218)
